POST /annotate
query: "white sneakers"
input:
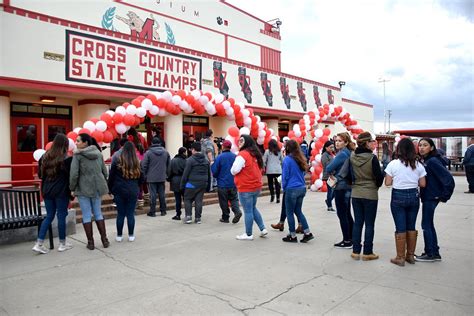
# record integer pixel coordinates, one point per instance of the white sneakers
(120, 238)
(244, 236)
(40, 248)
(264, 233)
(64, 246)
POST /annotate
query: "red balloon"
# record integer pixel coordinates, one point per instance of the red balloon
(161, 103)
(324, 188)
(98, 135)
(113, 132)
(233, 131)
(169, 107)
(152, 98)
(108, 137)
(137, 103)
(181, 93)
(126, 104)
(137, 121)
(72, 136)
(231, 101)
(84, 131)
(129, 119)
(220, 109)
(291, 134)
(48, 145)
(118, 118)
(94, 119)
(326, 132)
(236, 110)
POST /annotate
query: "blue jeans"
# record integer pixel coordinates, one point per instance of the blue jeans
(157, 188)
(53, 207)
(343, 208)
(365, 212)
(329, 196)
(404, 205)
(125, 208)
(249, 204)
(427, 224)
(294, 202)
(88, 206)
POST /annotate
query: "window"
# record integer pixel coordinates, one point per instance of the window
(26, 138)
(55, 129)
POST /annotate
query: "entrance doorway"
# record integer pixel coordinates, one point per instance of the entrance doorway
(32, 127)
(195, 125)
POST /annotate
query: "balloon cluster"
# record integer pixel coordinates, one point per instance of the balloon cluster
(112, 123)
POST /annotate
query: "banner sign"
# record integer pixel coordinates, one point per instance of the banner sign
(103, 61)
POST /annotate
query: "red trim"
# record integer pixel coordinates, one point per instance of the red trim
(274, 35)
(4, 93)
(357, 102)
(59, 87)
(226, 47)
(93, 101)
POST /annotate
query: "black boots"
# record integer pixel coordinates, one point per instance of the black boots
(103, 234)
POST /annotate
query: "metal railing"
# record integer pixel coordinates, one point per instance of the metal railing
(34, 182)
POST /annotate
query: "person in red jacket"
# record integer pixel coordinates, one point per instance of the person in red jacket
(247, 171)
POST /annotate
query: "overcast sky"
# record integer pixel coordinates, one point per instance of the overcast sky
(425, 49)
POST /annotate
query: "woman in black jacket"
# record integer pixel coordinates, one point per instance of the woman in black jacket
(175, 173)
(54, 169)
(124, 182)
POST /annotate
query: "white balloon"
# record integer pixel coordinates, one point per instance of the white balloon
(183, 105)
(176, 99)
(141, 112)
(318, 158)
(318, 183)
(248, 121)
(313, 188)
(158, 95)
(311, 169)
(261, 125)
(76, 130)
(89, 125)
(203, 99)
(39, 153)
(229, 111)
(154, 110)
(121, 110)
(212, 111)
(397, 139)
(167, 95)
(218, 98)
(110, 112)
(244, 131)
(272, 132)
(162, 112)
(72, 145)
(262, 133)
(296, 128)
(196, 94)
(101, 126)
(245, 113)
(226, 105)
(318, 133)
(147, 104)
(131, 109)
(120, 128)
(298, 133)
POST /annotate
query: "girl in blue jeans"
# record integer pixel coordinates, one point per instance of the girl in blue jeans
(294, 186)
(124, 182)
(439, 188)
(54, 169)
(405, 174)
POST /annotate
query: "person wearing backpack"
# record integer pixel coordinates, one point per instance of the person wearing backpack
(439, 188)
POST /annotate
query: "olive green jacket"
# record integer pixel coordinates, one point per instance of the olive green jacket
(88, 173)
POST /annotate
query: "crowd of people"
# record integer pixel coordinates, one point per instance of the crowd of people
(353, 176)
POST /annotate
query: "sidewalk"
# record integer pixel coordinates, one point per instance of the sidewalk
(174, 268)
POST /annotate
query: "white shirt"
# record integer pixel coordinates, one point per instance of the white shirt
(405, 177)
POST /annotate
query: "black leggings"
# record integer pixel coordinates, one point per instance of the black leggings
(274, 184)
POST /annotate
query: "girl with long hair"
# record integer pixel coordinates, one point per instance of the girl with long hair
(54, 169)
(272, 160)
(247, 171)
(439, 188)
(326, 157)
(294, 185)
(405, 174)
(88, 182)
(342, 190)
(124, 183)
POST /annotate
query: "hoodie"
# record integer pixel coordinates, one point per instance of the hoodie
(366, 174)
(88, 173)
(439, 181)
(155, 163)
(221, 170)
(197, 173)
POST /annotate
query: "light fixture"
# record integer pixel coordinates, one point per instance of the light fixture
(275, 25)
(47, 99)
(341, 83)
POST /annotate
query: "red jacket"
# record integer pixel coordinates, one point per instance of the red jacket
(249, 179)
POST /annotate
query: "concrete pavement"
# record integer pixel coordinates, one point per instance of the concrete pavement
(174, 268)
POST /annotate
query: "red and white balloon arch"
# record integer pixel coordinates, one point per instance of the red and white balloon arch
(112, 123)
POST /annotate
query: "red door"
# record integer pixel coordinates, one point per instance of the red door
(199, 132)
(29, 134)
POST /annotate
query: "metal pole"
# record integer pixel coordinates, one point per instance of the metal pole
(384, 105)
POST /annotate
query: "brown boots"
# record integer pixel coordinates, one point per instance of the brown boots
(90, 238)
(279, 226)
(400, 243)
(411, 246)
(103, 234)
(89, 234)
(299, 229)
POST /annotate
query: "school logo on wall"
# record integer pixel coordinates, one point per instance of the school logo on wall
(146, 29)
(301, 95)
(266, 88)
(285, 92)
(317, 99)
(219, 79)
(244, 81)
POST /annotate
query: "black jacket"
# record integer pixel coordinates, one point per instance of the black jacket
(439, 181)
(197, 172)
(175, 172)
(118, 185)
(58, 187)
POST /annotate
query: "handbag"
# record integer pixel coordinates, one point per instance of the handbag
(332, 182)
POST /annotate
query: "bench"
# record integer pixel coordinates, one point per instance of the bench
(21, 208)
